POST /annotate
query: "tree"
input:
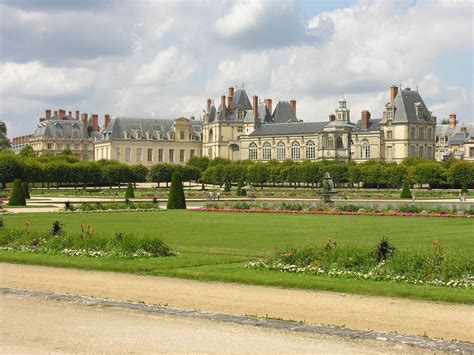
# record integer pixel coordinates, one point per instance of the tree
(16, 197)
(27, 152)
(4, 143)
(129, 193)
(139, 174)
(461, 172)
(406, 193)
(201, 163)
(227, 186)
(240, 190)
(11, 167)
(258, 173)
(26, 190)
(429, 173)
(161, 173)
(176, 198)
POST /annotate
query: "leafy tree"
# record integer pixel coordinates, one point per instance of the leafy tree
(129, 192)
(395, 174)
(429, 173)
(200, 163)
(4, 143)
(258, 173)
(11, 167)
(27, 151)
(176, 198)
(240, 190)
(461, 172)
(161, 173)
(139, 173)
(16, 197)
(406, 193)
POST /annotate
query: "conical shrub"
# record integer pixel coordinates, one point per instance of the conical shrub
(227, 186)
(26, 189)
(129, 193)
(176, 198)
(16, 197)
(406, 193)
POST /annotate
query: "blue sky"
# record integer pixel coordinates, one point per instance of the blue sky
(164, 58)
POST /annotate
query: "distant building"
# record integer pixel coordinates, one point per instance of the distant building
(18, 143)
(455, 140)
(149, 141)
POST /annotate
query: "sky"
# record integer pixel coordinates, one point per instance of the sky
(163, 59)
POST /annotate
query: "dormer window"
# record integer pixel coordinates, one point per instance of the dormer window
(240, 115)
(149, 135)
(127, 134)
(418, 109)
(138, 134)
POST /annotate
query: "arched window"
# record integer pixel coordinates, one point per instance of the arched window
(211, 133)
(253, 151)
(365, 149)
(281, 151)
(339, 143)
(295, 151)
(267, 151)
(310, 150)
(209, 152)
(330, 143)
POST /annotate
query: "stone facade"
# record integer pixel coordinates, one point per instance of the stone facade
(454, 140)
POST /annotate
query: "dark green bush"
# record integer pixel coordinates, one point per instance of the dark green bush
(410, 209)
(227, 186)
(384, 249)
(16, 197)
(26, 189)
(348, 208)
(176, 198)
(129, 192)
(406, 193)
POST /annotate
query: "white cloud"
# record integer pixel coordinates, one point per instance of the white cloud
(242, 17)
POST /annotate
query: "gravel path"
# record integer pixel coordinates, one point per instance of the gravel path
(436, 320)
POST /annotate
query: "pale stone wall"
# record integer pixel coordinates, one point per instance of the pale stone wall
(80, 148)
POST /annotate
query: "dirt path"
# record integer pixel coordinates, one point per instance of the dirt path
(436, 320)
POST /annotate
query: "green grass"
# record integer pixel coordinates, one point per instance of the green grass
(216, 246)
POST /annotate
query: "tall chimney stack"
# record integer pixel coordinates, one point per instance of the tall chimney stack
(106, 120)
(293, 105)
(452, 120)
(231, 91)
(95, 122)
(223, 108)
(77, 115)
(84, 119)
(61, 114)
(230, 103)
(255, 106)
(70, 114)
(56, 114)
(47, 115)
(393, 92)
(364, 119)
(208, 105)
(268, 104)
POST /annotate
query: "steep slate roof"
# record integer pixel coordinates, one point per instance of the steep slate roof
(283, 113)
(458, 138)
(374, 125)
(286, 129)
(68, 127)
(446, 131)
(212, 114)
(263, 115)
(241, 100)
(405, 111)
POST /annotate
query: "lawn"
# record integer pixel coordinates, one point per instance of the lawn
(216, 246)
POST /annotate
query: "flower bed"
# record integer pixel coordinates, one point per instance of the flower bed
(404, 214)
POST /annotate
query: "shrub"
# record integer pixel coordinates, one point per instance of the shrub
(348, 208)
(410, 209)
(176, 198)
(26, 189)
(242, 206)
(239, 187)
(464, 188)
(16, 197)
(406, 193)
(57, 228)
(129, 192)
(68, 206)
(384, 249)
(227, 186)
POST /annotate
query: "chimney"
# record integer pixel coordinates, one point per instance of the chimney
(230, 102)
(255, 106)
(223, 108)
(208, 105)
(106, 120)
(433, 118)
(47, 115)
(393, 92)
(332, 117)
(77, 115)
(364, 119)
(84, 119)
(70, 114)
(61, 114)
(452, 120)
(56, 114)
(95, 122)
(293, 105)
(231, 92)
(268, 104)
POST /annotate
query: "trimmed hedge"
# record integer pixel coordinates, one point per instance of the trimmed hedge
(26, 189)
(406, 193)
(17, 198)
(176, 198)
(129, 193)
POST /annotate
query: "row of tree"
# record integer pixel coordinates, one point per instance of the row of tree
(66, 170)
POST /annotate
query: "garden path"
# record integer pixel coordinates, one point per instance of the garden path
(436, 320)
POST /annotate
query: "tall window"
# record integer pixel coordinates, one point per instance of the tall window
(365, 149)
(330, 143)
(339, 143)
(412, 132)
(281, 151)
(211, 137)
(412, 151)
(128, 154)
(429, 134)
(181, 155)
(295, 151)
(421, 154)
(160, 155)
(171, 155)
(389, 135)
(117, 153)
(181, 135)
(149, 155)
(429, 152)
(139, 154)
(191, 153)
(310, 150)
(421, 134)
(267, 151)
(253, 151)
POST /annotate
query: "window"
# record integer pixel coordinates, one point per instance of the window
(429, 152)
(127, 134)
(128, 154)
(267, 151)
(240, 115)
(421, 154)
(389, 135)
(59, 146)
(138, 134)
(86, 146)
(117, 153)
(192, 153)
(171, 155)
(365, 149)
(50, 146)
(421, 134)
(412, 132)
(209, 152)
(181, 155)
(339, 143)
(211, 136)
(413, 151)
(240, 130)
(295, 151)
(471, 152)
(149, 154)
(76, 147)
(160, 155)
(181, 135)
(253, 151)
(281, 151)
(149, 135)
(389, 153)
(139, 154)
(330, 143)
(310, 150)
(68, 146)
